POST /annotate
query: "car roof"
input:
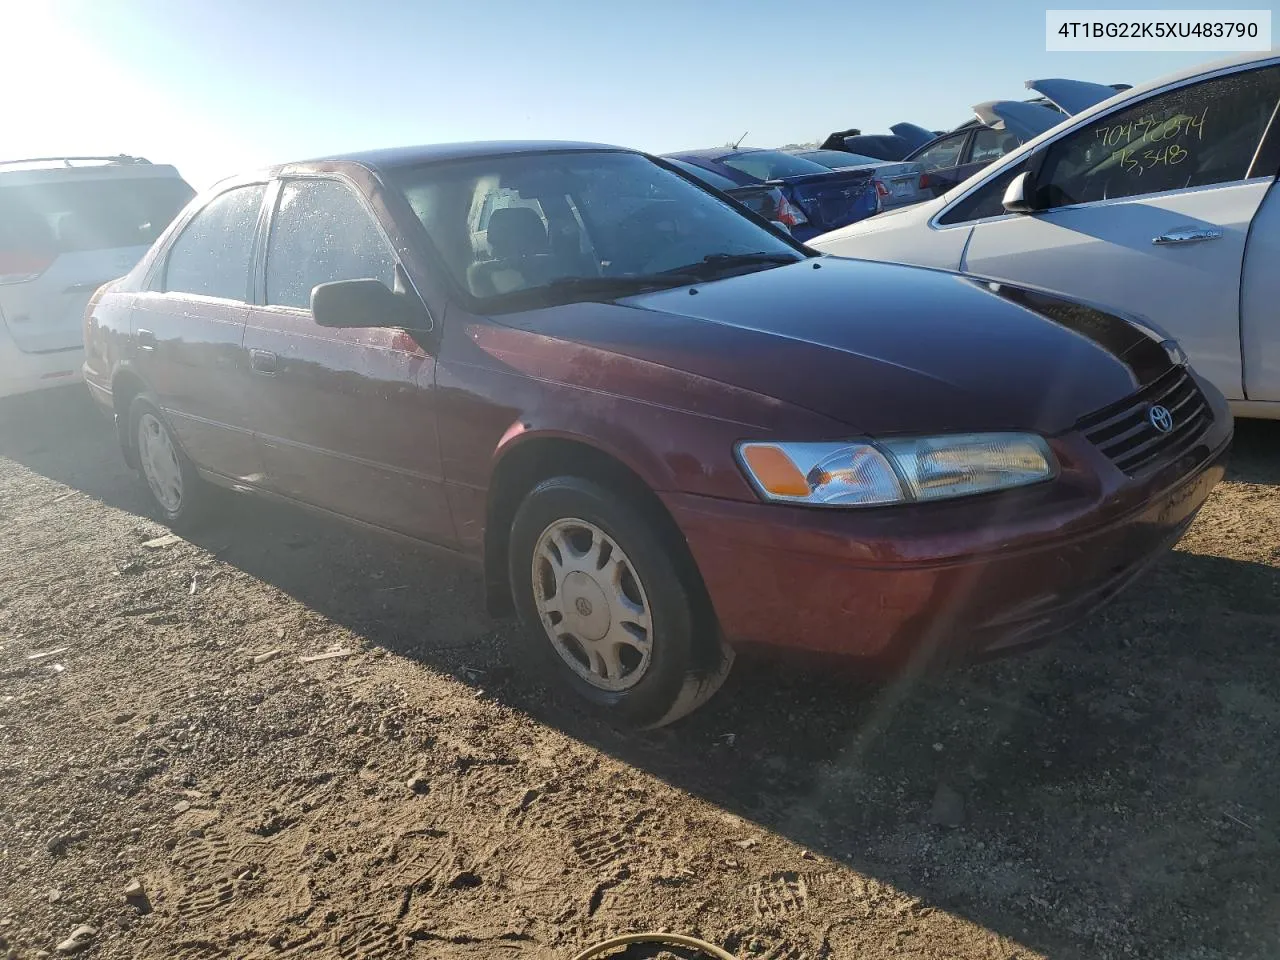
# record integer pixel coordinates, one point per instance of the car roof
(393, 157)
(77, 169)
(438, 152)
(1210, 66)
(718, 153)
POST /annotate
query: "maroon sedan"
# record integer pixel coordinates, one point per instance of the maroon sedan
(664, 429)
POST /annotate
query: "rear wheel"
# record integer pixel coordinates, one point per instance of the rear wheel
(607, 614)
(175, 489)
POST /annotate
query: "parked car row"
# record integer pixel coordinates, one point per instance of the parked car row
(820, 198)
(996, 128)
(665, 429)
(1159, 201)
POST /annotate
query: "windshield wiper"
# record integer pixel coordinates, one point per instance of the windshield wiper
(713, 263)
(597, 289)
(614, 286)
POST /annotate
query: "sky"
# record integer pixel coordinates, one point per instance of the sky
(221, 86)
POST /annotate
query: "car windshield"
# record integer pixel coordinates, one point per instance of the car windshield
(839, 159)
(538, 228)
(772, 165)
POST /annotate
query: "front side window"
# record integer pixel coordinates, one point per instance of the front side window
(989, 145)
(1194, 136)
(211, 256)
(986, 201)
(943, 154)
(321, 233)
(579, 225)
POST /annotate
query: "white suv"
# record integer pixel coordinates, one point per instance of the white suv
(67, 226)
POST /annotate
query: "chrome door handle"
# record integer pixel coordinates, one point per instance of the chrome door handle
(146, 340)
(264, 362)
(1187, 235)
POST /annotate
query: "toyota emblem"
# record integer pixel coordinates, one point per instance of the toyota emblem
(1160, 418)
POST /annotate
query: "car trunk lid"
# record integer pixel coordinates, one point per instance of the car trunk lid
(1072, 96)
(1024, 120)
(832, 200)
(916, 136)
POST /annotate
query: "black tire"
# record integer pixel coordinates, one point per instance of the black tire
(196, 494)
(676, 679)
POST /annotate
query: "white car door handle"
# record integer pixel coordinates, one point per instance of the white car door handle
(1187, 235)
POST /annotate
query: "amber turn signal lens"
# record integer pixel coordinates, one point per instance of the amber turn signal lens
(775, 472)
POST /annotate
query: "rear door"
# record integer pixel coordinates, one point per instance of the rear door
(74, 232)
(188, 332)
(1149, 207)
(1260, 302)
(347, 417)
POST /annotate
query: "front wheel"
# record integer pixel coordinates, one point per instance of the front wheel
(606, 611)
(175, 488)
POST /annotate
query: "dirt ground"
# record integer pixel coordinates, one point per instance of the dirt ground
(1113, 795)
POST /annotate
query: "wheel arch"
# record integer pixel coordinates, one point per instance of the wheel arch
(126, 385)
(530, 460)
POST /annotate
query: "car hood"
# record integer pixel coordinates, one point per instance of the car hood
(880, 347)
(1072, 96)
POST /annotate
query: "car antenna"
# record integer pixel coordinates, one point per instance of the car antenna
(741, 138)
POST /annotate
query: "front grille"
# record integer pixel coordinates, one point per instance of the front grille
(1124, 432)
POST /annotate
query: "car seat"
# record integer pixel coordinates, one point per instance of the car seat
(521, 250)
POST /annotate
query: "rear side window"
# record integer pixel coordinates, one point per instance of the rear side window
(321, 233)
(75, 216)
(1194, 136)
(212, 254)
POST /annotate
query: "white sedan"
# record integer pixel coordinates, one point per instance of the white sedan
(1159, 202)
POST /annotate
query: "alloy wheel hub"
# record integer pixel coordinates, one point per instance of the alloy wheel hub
(592, 605)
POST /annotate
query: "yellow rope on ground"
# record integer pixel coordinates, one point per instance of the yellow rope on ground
(668, 939)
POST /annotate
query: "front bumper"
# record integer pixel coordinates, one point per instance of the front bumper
(946, 581)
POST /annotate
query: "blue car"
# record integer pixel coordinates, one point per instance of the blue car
(821, 199)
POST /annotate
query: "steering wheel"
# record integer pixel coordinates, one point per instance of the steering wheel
(678, 254)
(645, 223)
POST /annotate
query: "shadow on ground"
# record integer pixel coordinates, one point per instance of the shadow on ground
(1115, 792)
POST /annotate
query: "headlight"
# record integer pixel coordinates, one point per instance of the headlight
(900, 470)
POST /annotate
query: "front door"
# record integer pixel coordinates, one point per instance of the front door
(1149, 209)
(187, 334)
(346, 417)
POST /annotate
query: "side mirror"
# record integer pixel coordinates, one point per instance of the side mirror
(365, 303)
(781, 226)
(1022, 194)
